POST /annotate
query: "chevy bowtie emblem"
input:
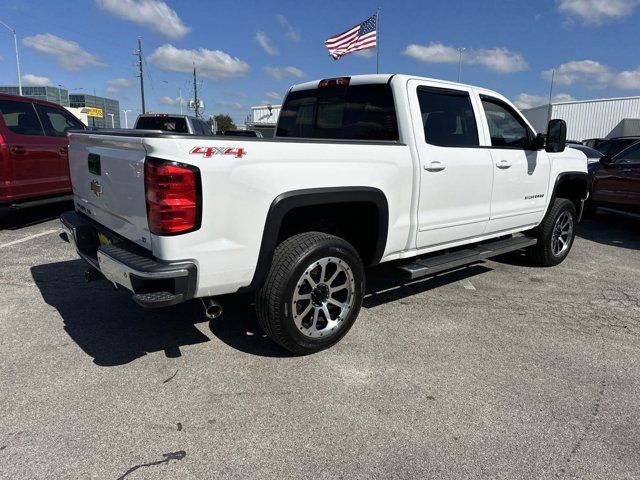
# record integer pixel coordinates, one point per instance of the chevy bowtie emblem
(96, 188)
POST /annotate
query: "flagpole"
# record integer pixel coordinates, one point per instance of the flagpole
(378, 41)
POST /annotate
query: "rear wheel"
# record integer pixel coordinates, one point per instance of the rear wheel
(555, 234)
(312, 294)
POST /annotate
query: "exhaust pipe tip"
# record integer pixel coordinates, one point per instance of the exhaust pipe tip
(212, 309)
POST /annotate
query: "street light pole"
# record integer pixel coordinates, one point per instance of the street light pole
(15, 45)
(460, 50)
(126, 120)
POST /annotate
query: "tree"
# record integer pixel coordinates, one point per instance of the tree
(224, 122)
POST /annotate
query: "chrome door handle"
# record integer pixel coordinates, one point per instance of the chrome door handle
(503, 164)
(434, 166)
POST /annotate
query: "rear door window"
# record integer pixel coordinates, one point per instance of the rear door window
(57, 122)
(355, 112)
(20, 118)
(447, 117)
(631, 156)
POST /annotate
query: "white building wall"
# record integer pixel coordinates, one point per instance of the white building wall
(262, 115)
(589, 119)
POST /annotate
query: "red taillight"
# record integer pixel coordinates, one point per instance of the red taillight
(334, 82)
(173, 196)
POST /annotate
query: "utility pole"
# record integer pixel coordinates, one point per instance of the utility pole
(196, 102)
(15, 45)
(139, 54)
(553, 76)
(460, 50)
(126, 120)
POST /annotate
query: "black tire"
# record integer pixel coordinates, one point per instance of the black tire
(542, 253)
(274, 301)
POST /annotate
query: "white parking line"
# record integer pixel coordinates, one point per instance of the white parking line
(30, 237)
(467, 284)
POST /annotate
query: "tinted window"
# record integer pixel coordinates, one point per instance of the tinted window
(611, 147)
(630, 156)
(57, 122)
(167, 124)
(206, 129)
(358, 112)
(20, 117)
(447, 117)
(506, 127)
(197, 127)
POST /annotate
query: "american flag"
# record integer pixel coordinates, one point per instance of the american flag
(359, 37)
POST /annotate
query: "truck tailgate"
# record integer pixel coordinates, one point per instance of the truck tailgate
(107, 174)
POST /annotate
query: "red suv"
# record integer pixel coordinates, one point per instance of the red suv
(34, 168)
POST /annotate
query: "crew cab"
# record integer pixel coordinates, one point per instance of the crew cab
(34, 168)
(173, 123)
(427, 174)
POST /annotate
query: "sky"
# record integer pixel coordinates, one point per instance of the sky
(250, 52)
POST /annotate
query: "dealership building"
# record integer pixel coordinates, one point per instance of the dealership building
(104, 112)
(600, 118)
(50, 94)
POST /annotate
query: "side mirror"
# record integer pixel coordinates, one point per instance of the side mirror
(538, 142)
(556, 136)
(606, 160)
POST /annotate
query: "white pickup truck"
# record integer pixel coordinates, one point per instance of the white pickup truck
(366, 169)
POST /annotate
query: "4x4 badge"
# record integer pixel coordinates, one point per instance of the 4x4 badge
(208, 152)
(96, 188)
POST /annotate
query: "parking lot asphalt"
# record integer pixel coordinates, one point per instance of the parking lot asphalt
(500, 370)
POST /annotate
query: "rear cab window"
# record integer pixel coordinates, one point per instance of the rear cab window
(341, 112)
(164, 123)
(20, 118)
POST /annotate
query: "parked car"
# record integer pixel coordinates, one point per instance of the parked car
(593, 156)
(593, 142)
(571, 143)
(243, 133)
(615, 182)
(33, 152)
(616, 145)
(367, 169)
(173, 124)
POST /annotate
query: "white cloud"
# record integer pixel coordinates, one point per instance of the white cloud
(117, 84)
(265, 43)
(596, 11)
(498, 60)
(526, 100)
(211, 64)
(155, 14)
(594, 74)
(31, 80)
(289, 31)
(69, 55)
(368, 53)
(165, 100)
(279, 73)
(628, 80)
(273, 95)
(580, 71)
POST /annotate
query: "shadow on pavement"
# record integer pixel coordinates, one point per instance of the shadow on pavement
(113, 330)
(16, 219)
(611, 229)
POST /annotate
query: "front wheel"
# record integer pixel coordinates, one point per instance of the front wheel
(312, 294)
(555, 234)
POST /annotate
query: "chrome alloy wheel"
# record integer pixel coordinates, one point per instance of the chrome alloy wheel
(562, 234)
(323, 297)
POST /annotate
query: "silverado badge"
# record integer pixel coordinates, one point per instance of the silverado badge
(96, 188)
